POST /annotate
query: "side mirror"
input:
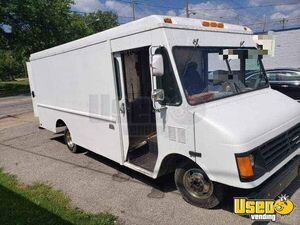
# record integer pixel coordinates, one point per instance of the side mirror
(158, 95)
(157, 65)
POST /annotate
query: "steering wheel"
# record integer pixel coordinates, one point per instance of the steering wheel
(229, 86)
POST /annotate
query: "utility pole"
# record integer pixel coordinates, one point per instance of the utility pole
(187, 10)
(133, 9)
(265, 23)
(238, 18)
(283, 21)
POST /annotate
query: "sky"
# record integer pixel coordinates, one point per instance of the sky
(253, 13)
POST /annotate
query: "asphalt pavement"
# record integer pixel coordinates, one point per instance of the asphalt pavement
(97, 184)
(10, 106)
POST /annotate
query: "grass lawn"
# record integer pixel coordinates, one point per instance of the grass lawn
(39, 204)
(20, 86)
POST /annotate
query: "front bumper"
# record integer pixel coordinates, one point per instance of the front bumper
(279, 181)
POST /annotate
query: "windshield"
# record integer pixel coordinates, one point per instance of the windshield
(208, 74)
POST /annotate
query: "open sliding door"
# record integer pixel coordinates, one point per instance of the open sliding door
(119, 73)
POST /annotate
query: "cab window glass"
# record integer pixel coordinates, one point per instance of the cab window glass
(212, 73)
(117, 73)
(168, 82)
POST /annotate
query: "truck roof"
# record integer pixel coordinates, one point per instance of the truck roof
(141, 25)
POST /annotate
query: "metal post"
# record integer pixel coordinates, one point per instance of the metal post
(265, 23)
(238, 18)
(133, 9)
(187, 11)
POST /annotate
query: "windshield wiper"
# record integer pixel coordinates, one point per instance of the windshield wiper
(228, 66)
(230, 77)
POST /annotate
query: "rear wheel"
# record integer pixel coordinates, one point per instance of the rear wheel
(69, 142)
(196, 188)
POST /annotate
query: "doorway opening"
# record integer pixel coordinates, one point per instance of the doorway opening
(140, 113)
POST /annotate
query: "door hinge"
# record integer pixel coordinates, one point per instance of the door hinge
(122, 108)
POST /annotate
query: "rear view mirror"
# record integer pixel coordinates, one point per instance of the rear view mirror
(157, 65)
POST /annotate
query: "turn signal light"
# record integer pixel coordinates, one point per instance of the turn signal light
(212, 24)
(245, 166)
(168, 20)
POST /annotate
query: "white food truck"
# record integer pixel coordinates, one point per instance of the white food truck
(169, 94)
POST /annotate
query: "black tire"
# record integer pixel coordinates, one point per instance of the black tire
(68, 141)
(212, 192)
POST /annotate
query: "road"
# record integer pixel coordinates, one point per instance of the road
(97, 184)
(11, 106)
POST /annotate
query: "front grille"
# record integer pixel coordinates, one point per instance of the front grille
(280, 147)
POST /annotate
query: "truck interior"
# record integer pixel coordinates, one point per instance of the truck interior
(140, 114)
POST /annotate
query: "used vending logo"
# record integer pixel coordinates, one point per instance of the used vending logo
(259, 209)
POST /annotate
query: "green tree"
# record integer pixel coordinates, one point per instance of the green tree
(36, 25)
(9, 65)
(99, 21)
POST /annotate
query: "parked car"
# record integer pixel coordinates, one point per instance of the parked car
(286, 81)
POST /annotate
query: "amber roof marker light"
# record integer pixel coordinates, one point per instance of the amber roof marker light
(168, 20)
(212, 24)
(220, 25)
(205, 24)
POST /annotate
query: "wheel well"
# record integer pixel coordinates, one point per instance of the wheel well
(170, 162)
(60, 123)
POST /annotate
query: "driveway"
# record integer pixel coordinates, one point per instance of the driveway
(97, 184)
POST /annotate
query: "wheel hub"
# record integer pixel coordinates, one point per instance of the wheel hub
(69, 139)
(197, 184)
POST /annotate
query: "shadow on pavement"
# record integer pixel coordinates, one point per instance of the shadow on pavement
(163, 184)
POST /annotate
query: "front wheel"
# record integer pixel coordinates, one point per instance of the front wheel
(69, 142)
(196, 188)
